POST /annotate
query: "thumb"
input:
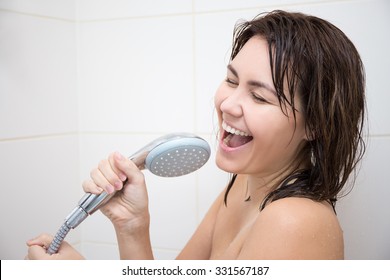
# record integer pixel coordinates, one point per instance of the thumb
(42, 240)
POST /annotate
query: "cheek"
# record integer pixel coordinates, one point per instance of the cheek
(274, 127)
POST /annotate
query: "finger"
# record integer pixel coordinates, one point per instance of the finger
(128, 167)
(111, 159)
(101, 181)
(111, 173)
(38, 246)
(42, 240)
(91, 187)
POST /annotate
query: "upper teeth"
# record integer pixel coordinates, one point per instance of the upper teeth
(234, 130)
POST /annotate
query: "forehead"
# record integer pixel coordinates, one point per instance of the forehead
(252, 63)
(254, 54)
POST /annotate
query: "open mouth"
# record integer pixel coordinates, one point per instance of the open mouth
(233, 137)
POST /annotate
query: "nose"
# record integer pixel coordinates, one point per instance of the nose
(232, 105)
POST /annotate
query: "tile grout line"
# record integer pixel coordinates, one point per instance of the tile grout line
(191, 13)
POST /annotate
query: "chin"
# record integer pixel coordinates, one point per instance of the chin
(226, 165)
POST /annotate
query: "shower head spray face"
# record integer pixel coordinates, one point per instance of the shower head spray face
(178, 157)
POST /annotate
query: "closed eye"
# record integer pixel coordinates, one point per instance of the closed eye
(231, 82)
(258, 98)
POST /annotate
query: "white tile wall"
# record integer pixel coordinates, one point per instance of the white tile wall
(117, 9)
(38, 121)
(39, 189)
(58, 9)
(37, 76)
(254, 5)
(137, 75)
(80, 79)
(364, 212)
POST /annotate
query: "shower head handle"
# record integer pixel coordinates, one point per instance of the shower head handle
(90, 202)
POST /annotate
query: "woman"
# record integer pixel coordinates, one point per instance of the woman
(290, 113)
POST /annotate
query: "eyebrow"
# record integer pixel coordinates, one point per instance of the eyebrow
(254, 83)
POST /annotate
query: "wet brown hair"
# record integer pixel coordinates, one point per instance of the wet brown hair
(315, 61)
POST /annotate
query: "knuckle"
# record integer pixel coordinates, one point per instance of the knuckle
(47, 237)
(138, 177)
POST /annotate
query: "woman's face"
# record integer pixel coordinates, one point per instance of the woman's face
(256, 137)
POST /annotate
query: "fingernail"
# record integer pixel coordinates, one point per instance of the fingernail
(122, 177)
(118, 185)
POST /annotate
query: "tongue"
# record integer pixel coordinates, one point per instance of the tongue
(235, 141)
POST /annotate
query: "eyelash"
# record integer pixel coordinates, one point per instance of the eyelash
(254, 95)
(258, 98)
(231, 82)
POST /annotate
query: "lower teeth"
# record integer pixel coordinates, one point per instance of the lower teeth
(227, 139)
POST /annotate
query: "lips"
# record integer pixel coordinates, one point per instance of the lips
(233, 137)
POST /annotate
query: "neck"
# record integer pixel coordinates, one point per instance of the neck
(257, 186)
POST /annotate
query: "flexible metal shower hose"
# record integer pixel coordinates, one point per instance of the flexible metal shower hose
(58, 238)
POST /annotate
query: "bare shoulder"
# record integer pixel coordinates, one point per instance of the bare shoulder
(295, 228)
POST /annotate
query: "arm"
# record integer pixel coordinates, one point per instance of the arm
(135, 245)
(294, 228)
(128, 209)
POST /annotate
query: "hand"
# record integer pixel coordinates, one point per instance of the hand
(128, 208)
(38, 246)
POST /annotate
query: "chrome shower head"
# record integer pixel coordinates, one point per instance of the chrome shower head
(171, 155)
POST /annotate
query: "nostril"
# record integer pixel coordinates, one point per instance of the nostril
(232, 106)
